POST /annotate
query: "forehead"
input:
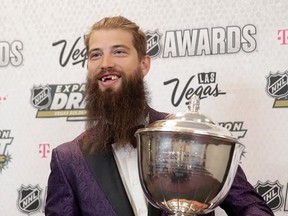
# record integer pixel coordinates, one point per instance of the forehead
(105, 38)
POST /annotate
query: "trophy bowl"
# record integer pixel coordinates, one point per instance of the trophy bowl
(187, 162)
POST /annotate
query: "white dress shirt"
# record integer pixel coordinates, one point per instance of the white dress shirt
(126, 160)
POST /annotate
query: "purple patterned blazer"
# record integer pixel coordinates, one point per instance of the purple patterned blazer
(90, 185)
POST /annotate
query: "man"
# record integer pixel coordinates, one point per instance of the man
(96, 174)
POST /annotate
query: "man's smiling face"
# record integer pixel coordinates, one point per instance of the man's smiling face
(111, 56)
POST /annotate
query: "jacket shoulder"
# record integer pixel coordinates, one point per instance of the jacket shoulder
(155, 115)
(69, 149)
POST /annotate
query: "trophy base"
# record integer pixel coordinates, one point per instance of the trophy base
(183, 207)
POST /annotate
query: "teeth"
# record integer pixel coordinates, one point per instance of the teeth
(114, 77)
(104, 79)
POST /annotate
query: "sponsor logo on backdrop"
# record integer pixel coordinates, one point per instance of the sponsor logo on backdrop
(271, 193)
(236, 128)
(277, 87)
(176, 43)
(203, 84)
(283, 36)
(73, 53)
(5, 142)
(29, 199)
(11, 53)
(44, 149)
(153, 43)
(59, 100)
(207, 41)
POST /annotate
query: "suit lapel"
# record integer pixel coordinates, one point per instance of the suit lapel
(106, 173)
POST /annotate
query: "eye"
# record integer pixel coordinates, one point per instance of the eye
(95, 55)
(120, 52)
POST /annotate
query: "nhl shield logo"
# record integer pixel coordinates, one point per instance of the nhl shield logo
(29, 199)
(277, 85)
(153, 43)
(41, 97)
(271, 193)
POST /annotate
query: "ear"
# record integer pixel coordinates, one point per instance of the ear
(145, 64)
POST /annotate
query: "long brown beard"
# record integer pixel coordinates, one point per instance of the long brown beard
(114, 117)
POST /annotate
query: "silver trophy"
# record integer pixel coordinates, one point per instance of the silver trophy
(187, 162)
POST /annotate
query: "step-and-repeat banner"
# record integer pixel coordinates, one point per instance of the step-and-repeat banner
(233, 54)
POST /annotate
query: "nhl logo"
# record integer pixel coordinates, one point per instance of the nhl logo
(271, 193)
(153, 43)
(277, 85)
(29, 199)
(41, 97)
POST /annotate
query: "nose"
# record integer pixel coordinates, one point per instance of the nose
(107, 62)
